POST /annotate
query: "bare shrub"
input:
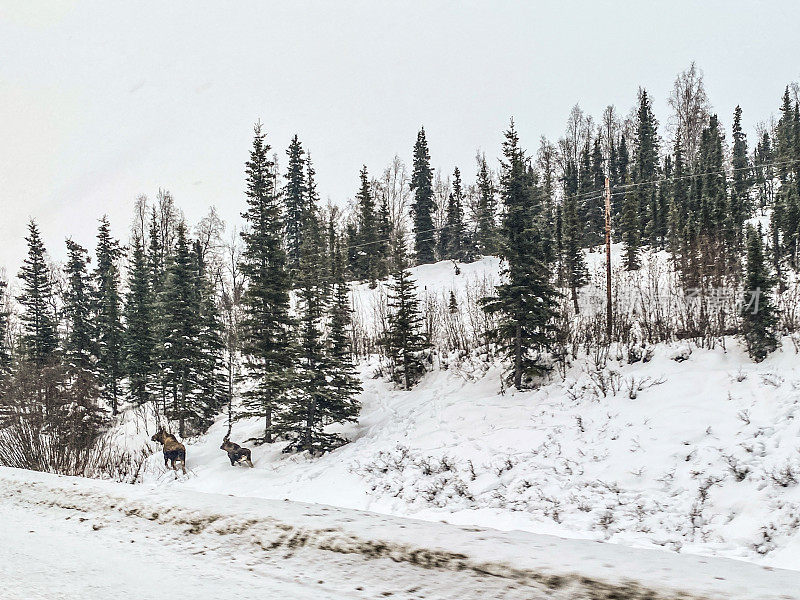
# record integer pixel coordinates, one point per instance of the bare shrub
(24, 445)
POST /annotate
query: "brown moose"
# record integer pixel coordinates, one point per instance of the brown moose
(236, 453)
(174, 451)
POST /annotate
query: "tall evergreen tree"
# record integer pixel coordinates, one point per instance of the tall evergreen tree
(108, 316)
(304, 417)
(575, 273)
(759, 318)
(739, 208)
(295, 198)
(526, 302)
(344, 382)
(630, 228)
(139, 342)
(710, 182)
(659, 224)
(453, 241)
(385, 236)
(785, 139)
(486, 226)
(211, 391)
(181, 340)
(79, 346)
(85, 416)
(621, 173)
(594, 203)
(764, 171)
(367, 243)
(39, 340)
(423, 206)
(405, 344)
(645, 168)
(266, 341)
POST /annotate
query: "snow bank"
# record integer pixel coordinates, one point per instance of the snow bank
(567, 568)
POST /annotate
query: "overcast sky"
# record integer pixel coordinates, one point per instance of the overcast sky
(103, 101)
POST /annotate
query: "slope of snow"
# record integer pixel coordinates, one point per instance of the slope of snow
(130, 539)
(694, 451)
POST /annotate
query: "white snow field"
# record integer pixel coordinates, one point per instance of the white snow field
(660, 468)
(69, 538)
(705, 459)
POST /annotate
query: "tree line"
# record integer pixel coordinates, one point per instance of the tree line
(179, 321)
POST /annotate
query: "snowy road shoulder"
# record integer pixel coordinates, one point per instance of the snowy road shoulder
(264, 533)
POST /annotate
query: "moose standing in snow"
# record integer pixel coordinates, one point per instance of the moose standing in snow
(236, 453)
(174, 451)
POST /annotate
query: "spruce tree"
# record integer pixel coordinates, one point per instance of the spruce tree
(406, 346)
(764, 171)
(453, 239)
(630, 228)
(157, 256)
(659, 225)
(303, 419)
(79, 345)
(785, 139)
(486, 226)
(82, 417)
(589, 199)
(139, 342)
(39, 341)
(385, 235)
(423, 206)
(295, 198)
(645, 169)
(621, 173)
(108, 316)
(368, 245)
(526, 302)
(575, 273)
(211, 389)
(266, 341)
(710, 182)
(739, 208)
(594, 202)
(181, 339)
(344, 382)
(759, 316)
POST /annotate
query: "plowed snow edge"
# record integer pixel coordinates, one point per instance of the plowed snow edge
(241, 522)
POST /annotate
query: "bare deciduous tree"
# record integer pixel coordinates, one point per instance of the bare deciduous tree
(691, 109)
(580, 127)
(610, 130)
(394, 189)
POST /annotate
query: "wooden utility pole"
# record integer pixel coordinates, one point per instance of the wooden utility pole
(609, 314)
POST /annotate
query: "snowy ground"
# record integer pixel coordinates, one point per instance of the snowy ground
(68, 538)
(699, 455)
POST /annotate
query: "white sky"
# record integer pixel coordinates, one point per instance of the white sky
(103, 101)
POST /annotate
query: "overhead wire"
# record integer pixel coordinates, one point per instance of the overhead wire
(594, 194)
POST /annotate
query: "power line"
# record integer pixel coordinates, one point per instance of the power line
(594, 195)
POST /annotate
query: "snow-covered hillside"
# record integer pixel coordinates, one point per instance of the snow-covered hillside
(695, 450)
